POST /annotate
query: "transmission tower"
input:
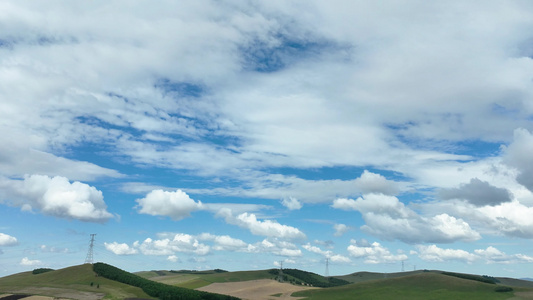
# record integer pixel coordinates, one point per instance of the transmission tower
(89, 258)
(327, 266)
(280, 275)
(403, 266)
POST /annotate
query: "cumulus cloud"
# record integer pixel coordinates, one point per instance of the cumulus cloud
(512, 219)
(170, 244)
(56, 196)
(374, 253)
(291, 203)
(436, 254)
(337, 258)
(120, 248)
(518, 155)
(490, 255)
(341, 229)
(7, 240)
(276, 246)
(173, 258)
(316, 250)
(478, 193)
(266, 228)
(177, 204)
(29, 262)
(387, 217)
(375, 183)
(225, 242)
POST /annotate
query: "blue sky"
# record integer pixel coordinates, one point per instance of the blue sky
(238, 135)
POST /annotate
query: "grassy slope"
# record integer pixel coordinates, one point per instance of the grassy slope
(194, 280)
(418, 286)
(366, 276)
(76, 278)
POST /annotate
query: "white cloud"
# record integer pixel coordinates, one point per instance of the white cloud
(172, 243)
(316, 250)
(120, 248)
(56, 197)
(225, 242)
(387, 217)
(510, 218)
(375, 183)
(344, 204)
(494, 255)
(168, 244)
(374, 253)
(490, 255)
(291, 203)
(173, 258)
(266, 228)
(28, 262)
(436, 254)
(337, 258)
(341, 229)
(7, 240)
(177, 205)
(277, 247)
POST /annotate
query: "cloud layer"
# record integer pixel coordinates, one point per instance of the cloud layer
(388, 218)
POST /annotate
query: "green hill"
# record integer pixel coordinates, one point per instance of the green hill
(366, 276)
(153, 288)
(425, 285)
(67, 283)
(95, 282)
(196, 279)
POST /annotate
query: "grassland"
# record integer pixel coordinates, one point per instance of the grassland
(80, 282)
(426, 285)
(77, 282)
(194, 280)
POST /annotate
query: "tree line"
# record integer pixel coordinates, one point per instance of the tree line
(152, 288)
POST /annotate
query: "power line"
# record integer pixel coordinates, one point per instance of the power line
(89, 258)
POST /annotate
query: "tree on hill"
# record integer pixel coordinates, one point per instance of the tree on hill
(152, 288)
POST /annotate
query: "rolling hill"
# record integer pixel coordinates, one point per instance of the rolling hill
(92, 282)
(81, 282)
(77, 282)
(421, 285)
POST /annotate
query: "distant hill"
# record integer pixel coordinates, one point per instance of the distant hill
(366, 276)
(421, 285)
(197, 279)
